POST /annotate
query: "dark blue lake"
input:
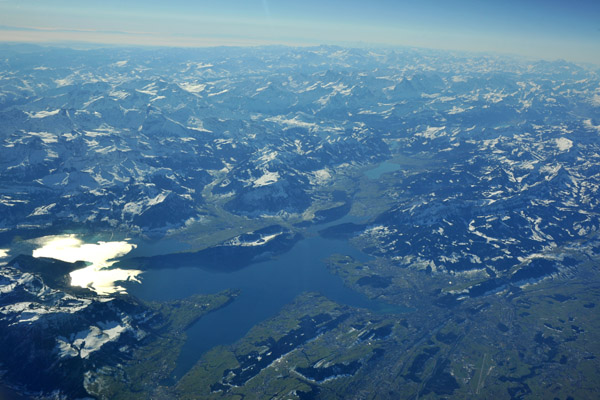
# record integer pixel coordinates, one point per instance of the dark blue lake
(7, 393)
(265, 288)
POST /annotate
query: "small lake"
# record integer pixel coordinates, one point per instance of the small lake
(265, 288)
(381, 169)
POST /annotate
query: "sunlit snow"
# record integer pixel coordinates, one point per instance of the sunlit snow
(90, 340)
(46, 137)
(42, 114)
(267, 179)
(258, 242)
(192, 87)
(564, 144)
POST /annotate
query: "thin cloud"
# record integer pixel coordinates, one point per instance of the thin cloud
(68, 30)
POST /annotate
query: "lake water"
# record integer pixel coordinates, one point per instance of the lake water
(7, 393)
(382, 168)
(265, 288)
(100, 255)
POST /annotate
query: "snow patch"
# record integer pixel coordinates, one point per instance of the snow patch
(293, 122)
(260, 89)
(433, 132)
(457, 110)
(564, 144)
(258, 242)
(64, 82)
(320, 177)
(590, 125)
(267, 179)
(133, 208)
(42, 114)
(218, 93)
(42, 210)
(46, 137)
(149, 89)
(192, 87)
(119, 94)
(197, 125)
(90, 340)
(158, 199)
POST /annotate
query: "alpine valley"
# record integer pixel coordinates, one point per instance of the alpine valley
(297, 223)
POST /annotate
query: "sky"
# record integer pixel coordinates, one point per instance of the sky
(548, 29)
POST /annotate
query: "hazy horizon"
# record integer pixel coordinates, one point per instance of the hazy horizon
(543, 30)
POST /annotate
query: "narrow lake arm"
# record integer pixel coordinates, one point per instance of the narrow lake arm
(146, 371)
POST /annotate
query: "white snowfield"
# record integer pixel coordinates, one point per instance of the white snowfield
(83, 343)
(268, 178)
(43, 114)
(564, 144)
